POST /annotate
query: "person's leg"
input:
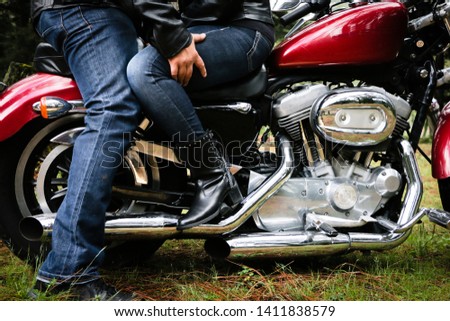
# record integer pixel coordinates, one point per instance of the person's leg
(97, 44)
(162, 98)
(229, 53)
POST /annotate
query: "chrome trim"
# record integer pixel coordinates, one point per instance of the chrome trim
(414, 193)
(240, 107)
(443, 11)
(413, 197)
(258, 197)
(282, 6)
(68, 137)
(35, 228)
(439, 217)
(336, 116)
(295, 244)
(277, 245)
(77, 106)
(155, 150)
(137, 167)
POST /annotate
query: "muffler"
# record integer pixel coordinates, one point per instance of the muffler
(298, 244)
(161, 225)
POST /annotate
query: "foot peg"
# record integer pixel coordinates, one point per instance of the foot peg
(439, 217)
(314, 223)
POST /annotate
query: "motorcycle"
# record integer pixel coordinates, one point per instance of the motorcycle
(321, 140)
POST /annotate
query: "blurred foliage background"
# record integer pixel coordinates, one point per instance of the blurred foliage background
(17, 37)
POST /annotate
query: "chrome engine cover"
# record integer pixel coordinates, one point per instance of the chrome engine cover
(349, 199)
(363, 116)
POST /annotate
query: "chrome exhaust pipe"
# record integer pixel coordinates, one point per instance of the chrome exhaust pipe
(277, 245)
(39, 227)
(34, 228)
(312, 243)
(298, 244)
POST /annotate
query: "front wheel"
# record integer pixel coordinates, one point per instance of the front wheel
(33, 175)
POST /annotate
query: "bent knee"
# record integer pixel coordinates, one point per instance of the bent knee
(145, 66)
(134, 72)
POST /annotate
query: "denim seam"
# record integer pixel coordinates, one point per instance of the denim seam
(252, 50)
(217, 30)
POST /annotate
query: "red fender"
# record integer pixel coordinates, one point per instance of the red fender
(16, 101)
(441, 145)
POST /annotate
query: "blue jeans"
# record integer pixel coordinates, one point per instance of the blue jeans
(229, 53)
(97, 43)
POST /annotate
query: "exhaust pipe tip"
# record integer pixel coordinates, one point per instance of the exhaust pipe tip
(217, 248)
(31, 229)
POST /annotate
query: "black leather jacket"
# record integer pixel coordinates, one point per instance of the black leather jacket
(162, 20)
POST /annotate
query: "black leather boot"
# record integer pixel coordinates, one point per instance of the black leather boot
(214, 182)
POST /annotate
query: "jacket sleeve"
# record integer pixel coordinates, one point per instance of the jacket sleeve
(168, 31)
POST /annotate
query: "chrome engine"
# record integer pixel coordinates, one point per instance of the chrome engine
(343, 189)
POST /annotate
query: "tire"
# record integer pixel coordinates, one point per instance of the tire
(33, 180)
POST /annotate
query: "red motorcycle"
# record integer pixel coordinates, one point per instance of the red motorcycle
(322, 142)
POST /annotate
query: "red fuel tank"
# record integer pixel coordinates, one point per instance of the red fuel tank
(367, 34)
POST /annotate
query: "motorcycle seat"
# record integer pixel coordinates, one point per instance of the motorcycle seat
(47, 59)
(253, 85)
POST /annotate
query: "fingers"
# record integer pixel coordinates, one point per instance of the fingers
(184, 74)
(199, 61)
(198, 37)
(182, 64)
(201, 66)
(181, 67)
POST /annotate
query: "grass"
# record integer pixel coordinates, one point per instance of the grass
(417, 270)
(15, 276)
